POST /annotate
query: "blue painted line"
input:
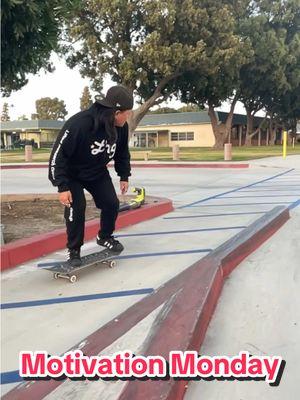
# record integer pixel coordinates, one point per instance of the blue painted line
(183, 231)
(10, 377)
(240, 204)
(277, 187)
(294, 205)
(268, 190)
(235, 190)
(288, 182)
(73, 299)
(265, 195)
(140, 255)
(167, 253)
(216, 215)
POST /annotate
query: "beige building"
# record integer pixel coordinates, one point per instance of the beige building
(190, 129)
(43, 133)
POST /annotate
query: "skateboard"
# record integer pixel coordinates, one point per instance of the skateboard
(61, 269)
(136, 202)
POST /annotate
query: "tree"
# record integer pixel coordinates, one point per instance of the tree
(269, 79)
(288, 111)
(163, 110)
(5, 113)
(86, 99)
(47, 108)
(149, 45)
(22, 118)
(30, 31)
(285, 103)
(221, 81)
(190, 108)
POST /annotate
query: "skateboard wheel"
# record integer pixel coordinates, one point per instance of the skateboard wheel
(55, 275)
(73, 278)
(112, 264)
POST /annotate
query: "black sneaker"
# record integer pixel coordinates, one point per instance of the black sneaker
(110, 243)
(73, 257)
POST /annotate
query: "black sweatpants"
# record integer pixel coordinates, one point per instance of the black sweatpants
(104, 195)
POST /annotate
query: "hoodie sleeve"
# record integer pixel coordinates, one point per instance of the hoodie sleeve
(63, 149)
(122, 155)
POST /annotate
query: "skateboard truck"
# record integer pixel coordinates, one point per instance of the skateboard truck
(71, 278)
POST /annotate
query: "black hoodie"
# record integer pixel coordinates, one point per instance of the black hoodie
(81, 153)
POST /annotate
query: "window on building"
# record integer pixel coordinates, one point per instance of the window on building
(175, 136)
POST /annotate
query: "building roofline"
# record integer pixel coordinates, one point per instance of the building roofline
(17, 125)
(166, 119)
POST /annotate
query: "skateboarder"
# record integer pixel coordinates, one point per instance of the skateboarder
(79, 158)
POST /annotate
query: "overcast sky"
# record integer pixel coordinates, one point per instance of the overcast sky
(64, 83)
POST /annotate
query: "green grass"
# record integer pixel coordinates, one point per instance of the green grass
(210, 154)
(165, 154)
(18, 155)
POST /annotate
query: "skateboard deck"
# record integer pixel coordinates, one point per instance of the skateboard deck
(61, 269)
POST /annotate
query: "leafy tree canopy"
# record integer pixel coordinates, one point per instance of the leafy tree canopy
(47, 108)
(30, 31)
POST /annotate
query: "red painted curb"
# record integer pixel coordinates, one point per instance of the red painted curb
(158, 165)
(190, 299)
(181, 325)
(110, 332)
(36, 246)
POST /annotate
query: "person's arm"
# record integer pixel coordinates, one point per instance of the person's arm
(63, 149)
(122, 156)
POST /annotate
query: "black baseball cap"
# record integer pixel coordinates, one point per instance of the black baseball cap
(118, 97)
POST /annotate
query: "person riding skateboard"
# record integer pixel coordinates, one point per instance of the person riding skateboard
(78, 161)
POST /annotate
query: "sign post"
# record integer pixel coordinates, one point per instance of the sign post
(284, 143)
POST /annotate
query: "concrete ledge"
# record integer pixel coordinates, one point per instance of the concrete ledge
(36, 246)
(181, 325)
(184, 325)
(236, 249)
(189, 301)
(150, 164)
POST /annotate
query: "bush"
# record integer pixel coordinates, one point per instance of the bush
(20, 144)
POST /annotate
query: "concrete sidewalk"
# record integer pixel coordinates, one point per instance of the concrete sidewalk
(211, 207)
(277, 162)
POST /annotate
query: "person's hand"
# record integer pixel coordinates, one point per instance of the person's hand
(65, 198)
(124, 186)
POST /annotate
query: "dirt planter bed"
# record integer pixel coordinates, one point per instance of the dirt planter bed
(35, 224)
(23, 216)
